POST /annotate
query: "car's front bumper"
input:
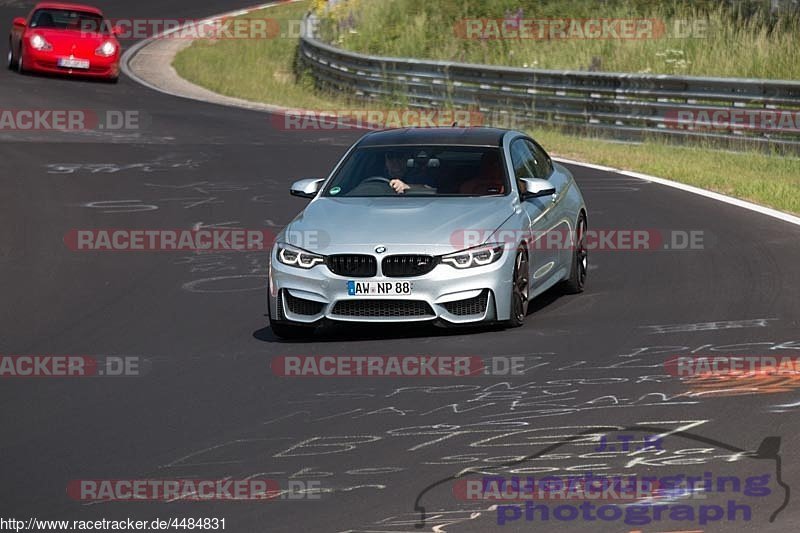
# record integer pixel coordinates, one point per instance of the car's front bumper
(446, 295)
(47, 63)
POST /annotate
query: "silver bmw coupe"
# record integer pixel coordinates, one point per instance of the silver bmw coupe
(451, 226)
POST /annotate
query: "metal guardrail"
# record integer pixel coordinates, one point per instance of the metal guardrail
(763, 113)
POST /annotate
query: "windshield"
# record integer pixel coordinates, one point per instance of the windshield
(421, 170)
(69, 19)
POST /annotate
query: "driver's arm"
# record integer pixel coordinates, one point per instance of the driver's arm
(399, 185)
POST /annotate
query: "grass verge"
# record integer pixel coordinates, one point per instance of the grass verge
(699, 38)
(262, 70)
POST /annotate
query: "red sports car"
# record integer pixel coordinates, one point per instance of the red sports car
(69, 39)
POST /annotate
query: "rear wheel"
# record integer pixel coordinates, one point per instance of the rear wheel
(580, 260)
(20, 67)
(520, 289)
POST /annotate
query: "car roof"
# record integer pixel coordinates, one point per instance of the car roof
(73, 7)
(478, 136)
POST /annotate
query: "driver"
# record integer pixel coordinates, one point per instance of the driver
(395, 170)
(396, 166)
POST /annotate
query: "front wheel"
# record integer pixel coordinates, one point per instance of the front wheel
(12, 63)
(519, 290)
(580, 260)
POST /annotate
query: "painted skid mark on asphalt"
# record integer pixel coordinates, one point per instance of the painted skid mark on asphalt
(239, 272)
(784, 407)
(438, 521)
(477, 426)
(157, 165)
(120, 206)
(710, 326)
(186, 202)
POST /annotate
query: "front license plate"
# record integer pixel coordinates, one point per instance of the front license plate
(69, 62)
(379, 288)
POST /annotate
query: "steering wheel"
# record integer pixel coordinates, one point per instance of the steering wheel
(373, 186)
(376, 179)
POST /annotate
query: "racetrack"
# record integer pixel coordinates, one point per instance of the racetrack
(210, 407)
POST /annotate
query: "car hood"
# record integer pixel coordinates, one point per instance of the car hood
(409, 225)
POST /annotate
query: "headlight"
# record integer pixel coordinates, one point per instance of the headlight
(39, 43)
(106, 49)
(297, 257)
(484, 254)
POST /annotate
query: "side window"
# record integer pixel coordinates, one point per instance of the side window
(522, 160)
(543, 165)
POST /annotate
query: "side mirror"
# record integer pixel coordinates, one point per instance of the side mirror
(20, 22)
(116, 30)
(536, 188)
(306, 188)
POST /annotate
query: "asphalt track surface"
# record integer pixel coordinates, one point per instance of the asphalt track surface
(210, 407)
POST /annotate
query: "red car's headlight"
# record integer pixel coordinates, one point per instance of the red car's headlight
(107, 49)
(39, 43)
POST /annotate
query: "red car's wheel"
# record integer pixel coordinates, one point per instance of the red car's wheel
(11, 63)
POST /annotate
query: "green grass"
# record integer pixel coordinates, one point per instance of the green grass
(262, 71)
(746, 43)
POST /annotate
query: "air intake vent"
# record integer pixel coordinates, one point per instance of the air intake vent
(470, 306)
(407, 266)
(279, 305)
(301, 306)
(352, 265)
(382, 308)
